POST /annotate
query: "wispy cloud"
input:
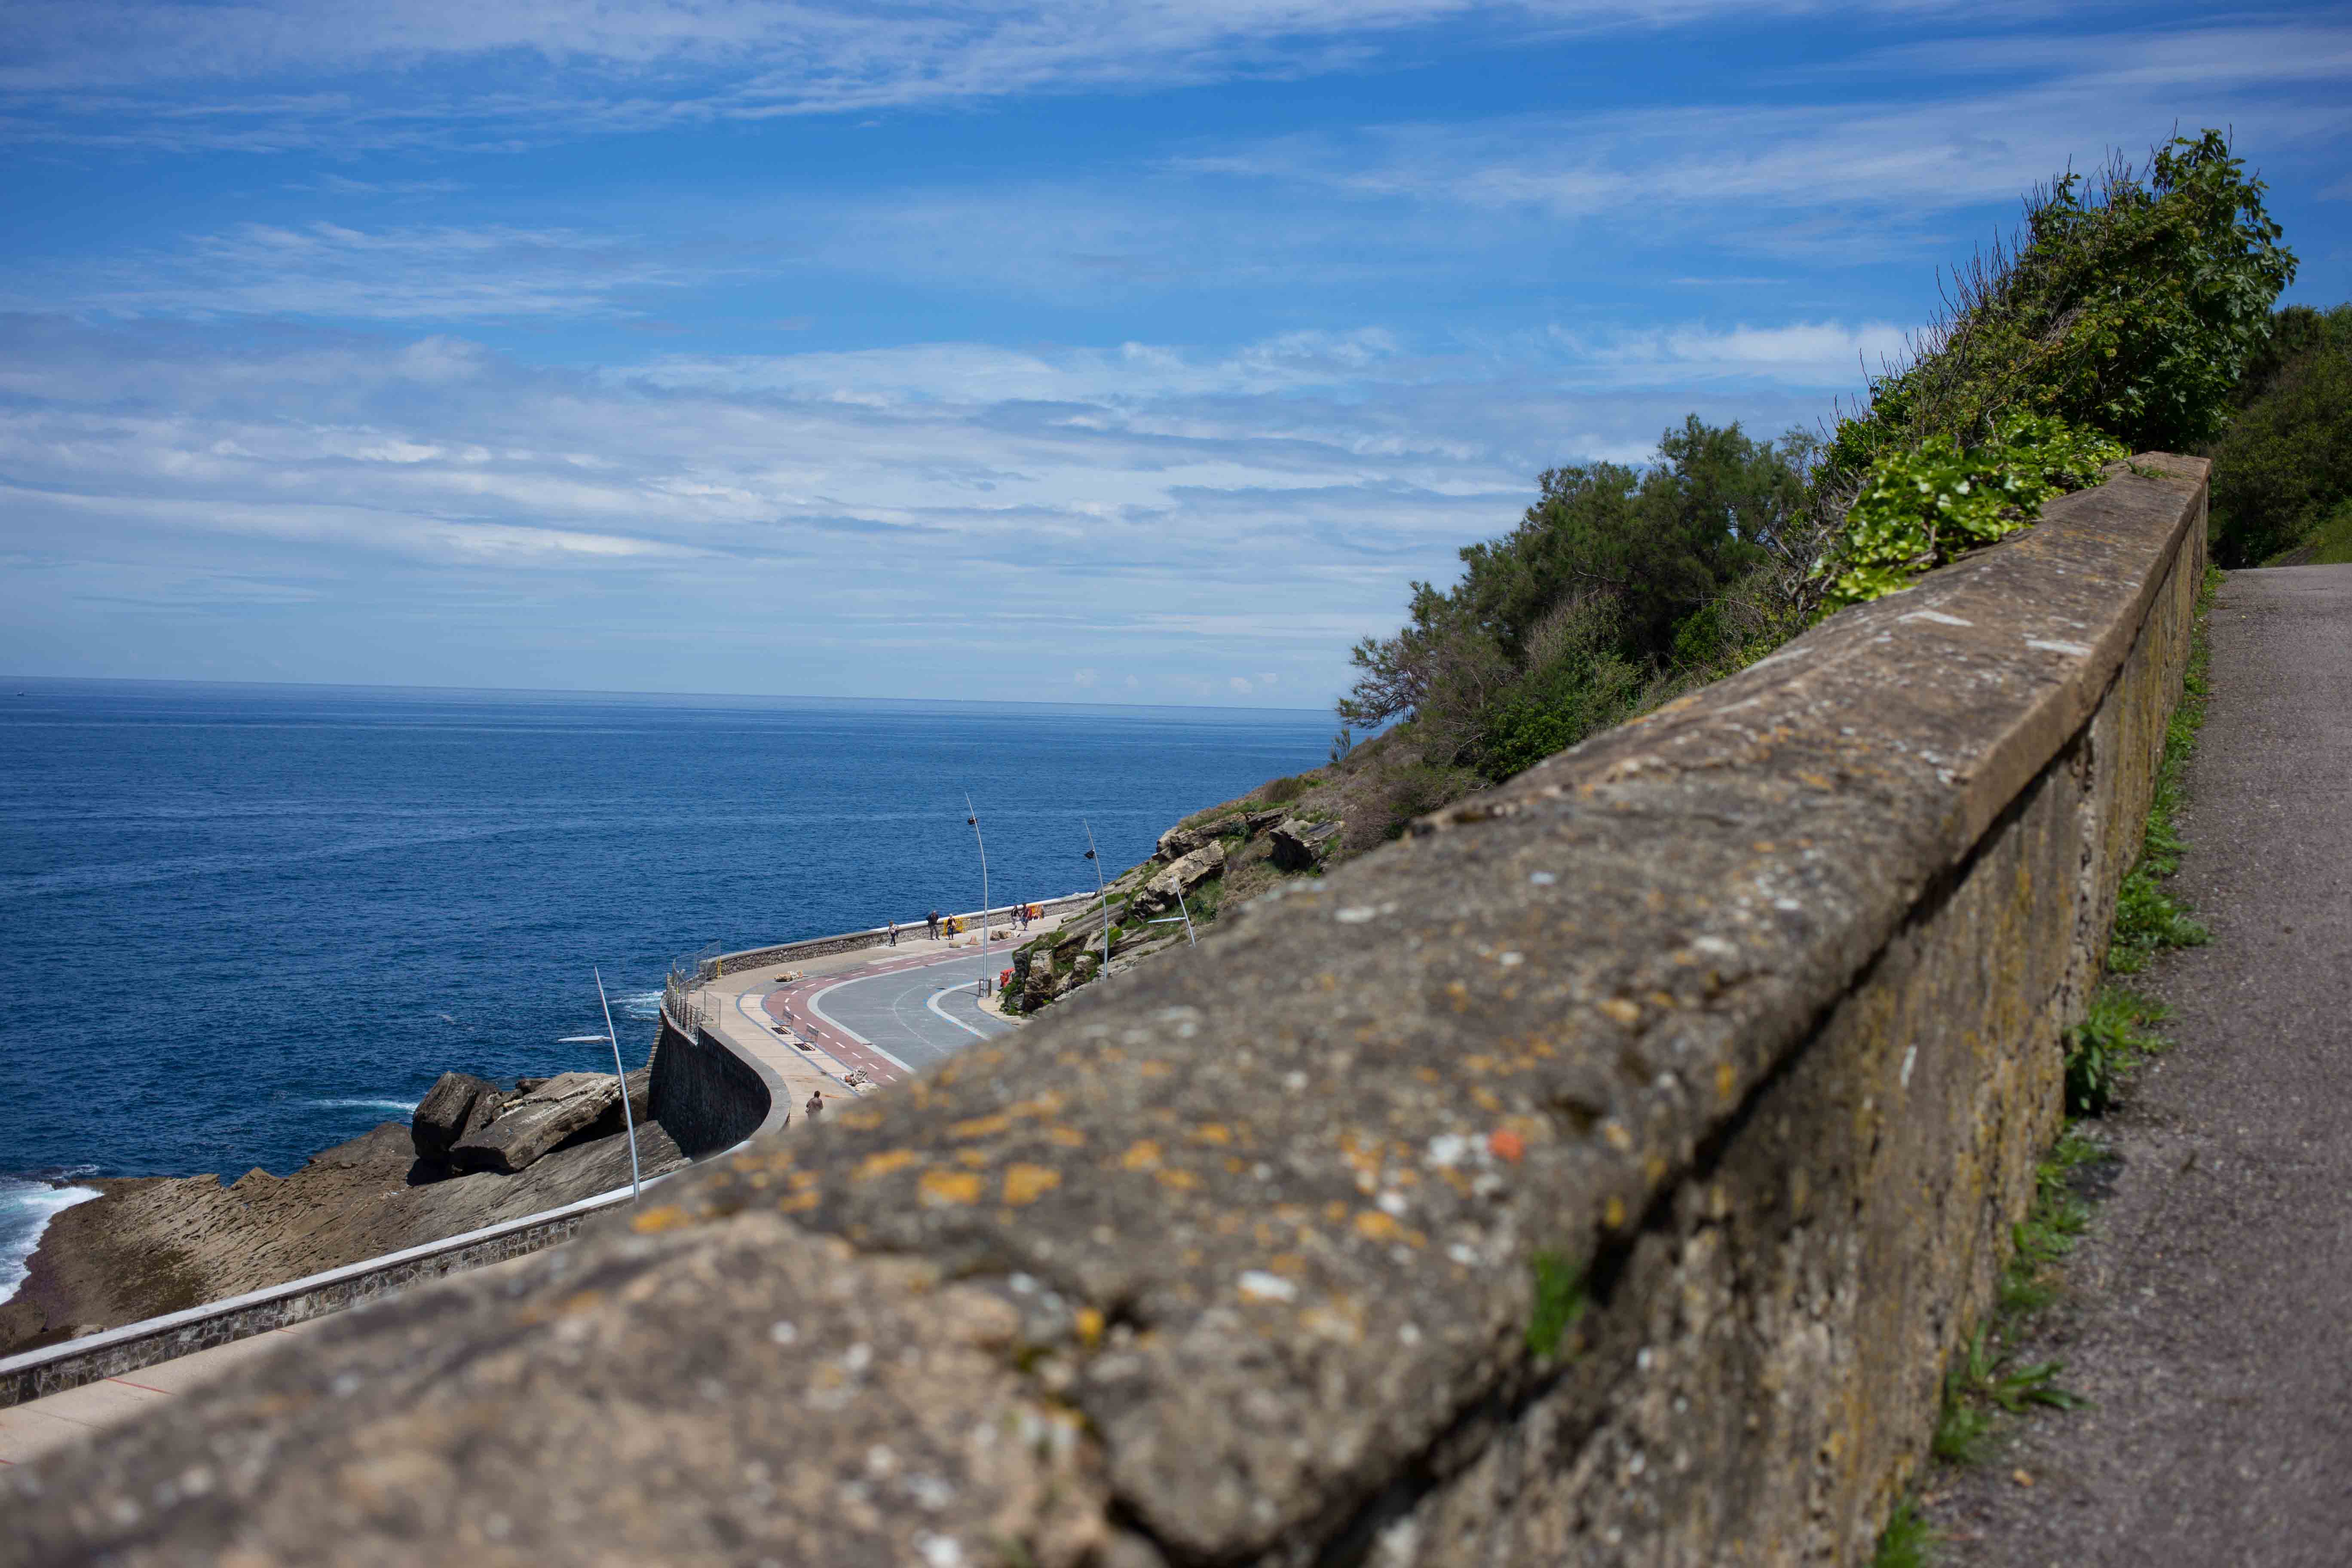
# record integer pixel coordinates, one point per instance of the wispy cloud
(323, 268)
(1948, 142)
(1255, 508)
(118, 72)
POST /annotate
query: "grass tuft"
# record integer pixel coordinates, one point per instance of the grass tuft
(1559, 1302)
(2112, 1039)
(1907, 1542)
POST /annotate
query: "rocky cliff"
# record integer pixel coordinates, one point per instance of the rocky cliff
(156, 1244)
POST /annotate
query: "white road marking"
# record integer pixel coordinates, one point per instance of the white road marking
(816, 1005)
(951, 1017)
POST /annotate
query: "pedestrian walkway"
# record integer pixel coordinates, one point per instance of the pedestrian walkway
(36, 1426)
(2206, 1316)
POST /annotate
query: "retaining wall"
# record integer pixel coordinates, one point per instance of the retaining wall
(707, 1095)
(1604, 1173)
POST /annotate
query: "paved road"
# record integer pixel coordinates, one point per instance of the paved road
(895, 1017)
(2209, 1315)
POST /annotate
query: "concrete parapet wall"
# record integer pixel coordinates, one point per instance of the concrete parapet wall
(1604, 1173)
(110, 1353)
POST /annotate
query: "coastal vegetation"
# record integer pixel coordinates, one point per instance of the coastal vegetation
(2123, 316)
(2282, 469)
(2131, 311)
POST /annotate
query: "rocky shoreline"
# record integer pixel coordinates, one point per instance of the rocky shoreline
(152, 1245)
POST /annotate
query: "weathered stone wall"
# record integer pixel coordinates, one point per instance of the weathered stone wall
(706, 1095)
(1602, 1174)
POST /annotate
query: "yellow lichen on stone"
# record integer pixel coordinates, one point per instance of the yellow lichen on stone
(1067, 1137)
(859, 1119)
(1374, 1226)
(1026, 1184)
(1090, 1326)
(1181, 1180)
(1211, 1133)
(885, 1163)
(1143, 1154)
(979, 1126)
(669, 1216)
(949, 1187)
(1612, 1213)
(1621, 1010)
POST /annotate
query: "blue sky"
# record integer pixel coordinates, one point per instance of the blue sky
(1042, 351)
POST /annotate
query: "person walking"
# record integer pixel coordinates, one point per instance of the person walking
(933, 926)
(894, 933)
(815, 1106)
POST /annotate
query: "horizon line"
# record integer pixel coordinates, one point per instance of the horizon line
(600, 691)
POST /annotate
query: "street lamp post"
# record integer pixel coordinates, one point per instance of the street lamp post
(620, 1074)
(971, 820)
(1100, 888)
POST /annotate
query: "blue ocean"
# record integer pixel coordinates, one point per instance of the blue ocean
(241, 923)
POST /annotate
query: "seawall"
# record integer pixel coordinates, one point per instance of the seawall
(1604, 1173)
(709, 1096)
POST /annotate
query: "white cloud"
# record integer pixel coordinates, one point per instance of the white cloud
(994, 515)
(115, 72)
(323, 268)
(1948, 143)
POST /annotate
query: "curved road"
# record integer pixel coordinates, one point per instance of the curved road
(895, 1017)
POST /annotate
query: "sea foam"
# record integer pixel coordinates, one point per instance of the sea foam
(27, 1206)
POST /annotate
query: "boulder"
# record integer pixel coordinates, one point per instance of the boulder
(1179, 841)
(640, 1104)
(441, 1116)
(1300, 845)
(486, 1111)
(528, 1127)
(1078, 929)
(1159, 893)
(1257, 822)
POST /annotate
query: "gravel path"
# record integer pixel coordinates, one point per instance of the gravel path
(2208, 1315)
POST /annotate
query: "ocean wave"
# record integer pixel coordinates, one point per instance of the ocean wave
(580, 1040)
(26, 1209)
(644, 1007)
(399, 1105)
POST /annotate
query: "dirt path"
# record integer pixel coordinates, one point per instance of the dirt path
(2209, 1311)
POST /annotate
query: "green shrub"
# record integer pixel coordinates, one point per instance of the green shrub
(2285, 462)
(1917, 510)
(2130, 304)
(1283, 791)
